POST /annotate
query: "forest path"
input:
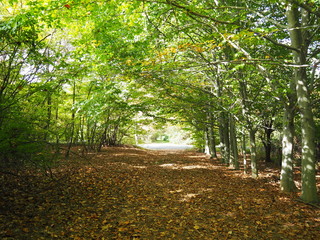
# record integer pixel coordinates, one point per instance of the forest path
(166, 146)
(128, 193)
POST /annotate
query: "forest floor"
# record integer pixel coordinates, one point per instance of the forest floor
(130, 193)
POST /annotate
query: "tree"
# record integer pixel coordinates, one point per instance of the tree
(218, 66)
(299, 20)
(270, 28)
(21, 59)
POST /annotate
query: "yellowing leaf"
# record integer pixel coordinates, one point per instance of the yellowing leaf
(106, 227)
(196, 227)
(122, 229)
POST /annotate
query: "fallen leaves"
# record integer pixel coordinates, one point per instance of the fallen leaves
(129, 194)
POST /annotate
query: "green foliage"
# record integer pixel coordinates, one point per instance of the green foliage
(199, 141)
(89, 71)
(21, 145)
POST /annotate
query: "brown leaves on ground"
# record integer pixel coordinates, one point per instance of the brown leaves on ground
(127, 193)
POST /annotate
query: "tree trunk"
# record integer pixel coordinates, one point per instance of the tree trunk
(211, 137)
(226, 138)
(234, 159)
(252, 131)
(244, 153)
(253, 153)
(73, 115)
(298, 41)
(212, 143)
(49, 113)
(223, 132)
(267, 140)
(206, 140)
(56, 132)
(286, 182)
(222, 144)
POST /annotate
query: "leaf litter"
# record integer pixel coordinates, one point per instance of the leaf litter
(129, 193)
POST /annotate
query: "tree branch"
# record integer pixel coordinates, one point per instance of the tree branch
(306, 7)
(277, 43)
(169, 2)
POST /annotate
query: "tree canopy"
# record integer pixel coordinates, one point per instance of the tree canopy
(92, 73)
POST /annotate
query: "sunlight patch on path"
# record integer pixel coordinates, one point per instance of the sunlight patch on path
(188, 197)
(139, 166)
(195, 167)
(165, 146)
(184, 166)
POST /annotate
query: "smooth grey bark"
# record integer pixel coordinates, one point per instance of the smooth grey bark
(206, 138)
(211, 137)
(223, 127)
(227, 139)
(286, 179)
(222, 144)
(73, 115)
(234, 158)
(297, 20)
(49, 114)
(212, 143)
(210, 147)
(266, 141)
(244, 153)
(224, 138)
(253, 152)
(252, 130)
(57, 134)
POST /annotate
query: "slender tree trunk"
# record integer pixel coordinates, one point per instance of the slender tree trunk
(244, 153)
(222, 143)
(206, 140)
(286, 180)
(212, 143)
(81, 129)
(253, 153)
(222, 124)
(211, 137)
(57, 132)
(82, 135)
(298, 41)
(234, 159)
(92, 135)
(252, 131)
(73, 114)
(103, 138)
(267, 140)
(225, 132)
(49, 113)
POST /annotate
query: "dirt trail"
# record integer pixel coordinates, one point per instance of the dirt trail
(127, 193)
